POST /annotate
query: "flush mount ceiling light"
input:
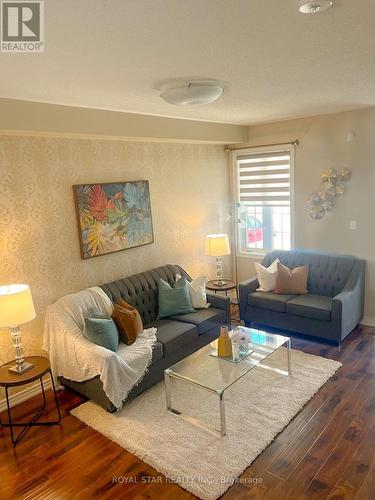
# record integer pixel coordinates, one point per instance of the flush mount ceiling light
(314, 6)
(192, 93)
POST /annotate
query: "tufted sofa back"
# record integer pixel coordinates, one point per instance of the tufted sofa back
(328, 272)
(141, 290)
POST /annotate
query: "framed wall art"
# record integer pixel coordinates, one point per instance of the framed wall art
(113, 216)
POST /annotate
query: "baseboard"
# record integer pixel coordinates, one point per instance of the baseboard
(367, 321)
(29, 392)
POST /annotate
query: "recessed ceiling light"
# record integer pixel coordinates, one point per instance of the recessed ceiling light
(192, 93)
(314, 6)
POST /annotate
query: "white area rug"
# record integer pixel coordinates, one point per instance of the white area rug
(258, 407)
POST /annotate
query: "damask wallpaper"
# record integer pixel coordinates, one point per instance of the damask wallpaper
(38, 233)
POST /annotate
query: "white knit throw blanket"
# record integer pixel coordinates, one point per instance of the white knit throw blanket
(75, 357)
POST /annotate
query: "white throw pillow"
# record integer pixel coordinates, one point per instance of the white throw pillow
(267, 276)
(197, 292)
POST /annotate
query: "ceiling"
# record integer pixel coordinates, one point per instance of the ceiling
(274, 62)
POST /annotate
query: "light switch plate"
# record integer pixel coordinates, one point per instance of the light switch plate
(353, 225)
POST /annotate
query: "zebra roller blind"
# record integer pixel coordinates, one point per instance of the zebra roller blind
(264, 179)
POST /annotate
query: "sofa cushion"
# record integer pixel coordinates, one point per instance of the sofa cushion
(173, 334)
(269, 300)
(204, 319)
(157, 352)
(311, 306)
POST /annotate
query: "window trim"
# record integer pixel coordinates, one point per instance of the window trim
(256, 253)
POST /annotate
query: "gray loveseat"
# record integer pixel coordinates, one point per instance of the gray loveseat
(332, 308)
(177, 336)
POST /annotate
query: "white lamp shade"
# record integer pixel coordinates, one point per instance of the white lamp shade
(16, 305)
(217, 245)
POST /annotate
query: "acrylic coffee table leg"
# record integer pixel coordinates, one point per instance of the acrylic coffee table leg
(223, 429)
(167, 383)
(289, 350)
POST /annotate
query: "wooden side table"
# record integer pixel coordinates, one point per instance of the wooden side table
(41, 368)
(228, 285)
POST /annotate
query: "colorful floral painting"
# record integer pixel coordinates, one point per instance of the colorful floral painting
(113, 217)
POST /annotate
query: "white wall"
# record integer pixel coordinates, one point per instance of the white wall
(323, 144)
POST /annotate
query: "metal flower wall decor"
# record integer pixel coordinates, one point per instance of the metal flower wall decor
(333, 184)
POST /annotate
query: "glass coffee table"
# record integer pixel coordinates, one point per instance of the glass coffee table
(206, 370)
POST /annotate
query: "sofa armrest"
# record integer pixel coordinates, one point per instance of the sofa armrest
(221, 302)
(244, 288)
(348, 305)
(249, 285)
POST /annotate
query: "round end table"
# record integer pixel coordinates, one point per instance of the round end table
(40, 369)
(226, 287)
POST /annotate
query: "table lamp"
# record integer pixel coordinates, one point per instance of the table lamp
(16, 308)
(217, 245)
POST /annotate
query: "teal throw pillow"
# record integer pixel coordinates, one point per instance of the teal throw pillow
(174, 300)
(102, 330)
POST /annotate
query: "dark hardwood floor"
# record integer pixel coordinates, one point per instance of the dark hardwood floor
(326, 452)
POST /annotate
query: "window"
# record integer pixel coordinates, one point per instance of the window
(264, 190)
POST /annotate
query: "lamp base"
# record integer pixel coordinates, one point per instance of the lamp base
(19, 371)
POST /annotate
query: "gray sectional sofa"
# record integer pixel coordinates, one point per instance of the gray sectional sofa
(332, 308)
(177, 336)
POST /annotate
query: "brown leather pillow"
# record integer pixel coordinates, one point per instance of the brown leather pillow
(291, 281)
(128, 321)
